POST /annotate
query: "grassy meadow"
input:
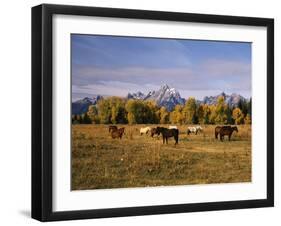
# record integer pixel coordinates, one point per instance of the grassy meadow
(100, 162)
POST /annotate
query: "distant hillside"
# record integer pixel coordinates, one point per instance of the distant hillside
(232, 100)
(81, 106)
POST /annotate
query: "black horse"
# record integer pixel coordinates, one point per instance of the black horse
(227, 130)
(166, 133)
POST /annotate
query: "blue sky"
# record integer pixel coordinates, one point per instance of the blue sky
(113, 65)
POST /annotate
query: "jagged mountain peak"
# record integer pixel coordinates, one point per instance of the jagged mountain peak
(165, 96)
(232, 100)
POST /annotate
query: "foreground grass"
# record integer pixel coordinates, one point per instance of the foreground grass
(98, 161)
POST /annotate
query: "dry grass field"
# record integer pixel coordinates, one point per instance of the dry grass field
(98, 161)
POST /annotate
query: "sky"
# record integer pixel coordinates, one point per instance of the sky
(115, 65)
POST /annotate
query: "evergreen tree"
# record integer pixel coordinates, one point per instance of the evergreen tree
(247, 119)
(86, 119)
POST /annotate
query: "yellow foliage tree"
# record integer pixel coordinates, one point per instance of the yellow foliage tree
(189, 111)
(164, 115)
(238, 116)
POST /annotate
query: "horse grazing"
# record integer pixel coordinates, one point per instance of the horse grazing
(217, 130)
(173, 127)
(112, 128)
(227, 130)
(166, 133)
(118, 133)
(194, 129)
(144, 130)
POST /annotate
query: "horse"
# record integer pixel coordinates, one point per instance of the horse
(118, 133)
(217, 130)
(112, 128)
(194, 129)
(227, 130)
(173, 127)
(166, 133)
(144, 130)
(153, 131)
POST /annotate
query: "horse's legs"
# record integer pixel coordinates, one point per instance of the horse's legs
(166, 140)
(229, 136)
(222, 137)
(176, 139)
(163, 139)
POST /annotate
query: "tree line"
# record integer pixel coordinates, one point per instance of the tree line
(116, 110)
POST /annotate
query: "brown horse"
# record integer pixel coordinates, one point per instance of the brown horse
(153, 131)
(118, 133)
(217, 130)
(112, 128)
(166, 133)
(227, 130)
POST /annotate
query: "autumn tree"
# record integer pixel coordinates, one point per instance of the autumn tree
(104, 111)
(176, 116)
(93, 114)
(152, 115)
(189, 111)
(164, 115)
(220, 113)
(117, 108)
(238, 116)
(203, 114)
(135, 111)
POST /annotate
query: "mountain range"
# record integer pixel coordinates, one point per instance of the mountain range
(165, 96)
(81, 106)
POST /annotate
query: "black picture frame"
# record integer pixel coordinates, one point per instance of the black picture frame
(42, 107)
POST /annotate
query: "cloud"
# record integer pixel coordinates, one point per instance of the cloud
(127, 51)
(110, 65)
(212, 75)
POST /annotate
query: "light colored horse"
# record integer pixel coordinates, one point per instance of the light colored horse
(145, 130)
(194, 129)
(173, 127)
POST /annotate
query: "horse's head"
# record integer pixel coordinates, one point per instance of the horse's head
(122, 130)
(235, 129)
(158, 130)
(199, 128)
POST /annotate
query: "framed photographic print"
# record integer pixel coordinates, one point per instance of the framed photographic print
(145, 112)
